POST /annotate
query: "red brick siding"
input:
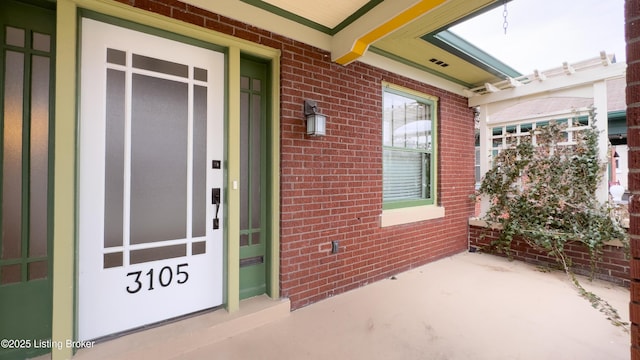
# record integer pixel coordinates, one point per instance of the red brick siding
(613, 265)
(331, 186)
(632, 34)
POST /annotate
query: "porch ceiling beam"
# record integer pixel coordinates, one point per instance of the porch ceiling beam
(354, 40)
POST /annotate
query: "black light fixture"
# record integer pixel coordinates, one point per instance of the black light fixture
(316, 122)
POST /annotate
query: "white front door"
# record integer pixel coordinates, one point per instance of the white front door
(150, 179)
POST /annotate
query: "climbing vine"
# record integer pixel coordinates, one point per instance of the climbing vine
(542, 190)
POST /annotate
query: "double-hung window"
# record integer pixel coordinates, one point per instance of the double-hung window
(409, 148)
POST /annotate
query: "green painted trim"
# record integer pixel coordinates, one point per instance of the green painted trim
(312, 24)
(456, 45)
(404, 204)
(288, 15)
(225, 180)
(2, 90)
(415, 65)
(160, 32)
(435, 155)
(448, 41)
(115, 9)
(479, 12)
(273, 284)
(356, 15)
(76, 76)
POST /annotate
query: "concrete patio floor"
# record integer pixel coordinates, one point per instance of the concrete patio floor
(468, 306)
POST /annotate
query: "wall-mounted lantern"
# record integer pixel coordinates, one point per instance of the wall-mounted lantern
(316, 122)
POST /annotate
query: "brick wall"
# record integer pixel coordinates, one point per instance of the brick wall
(612, 266)
(331, 187)
(632, 34)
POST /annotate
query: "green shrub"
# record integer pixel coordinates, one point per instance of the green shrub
(542, 189)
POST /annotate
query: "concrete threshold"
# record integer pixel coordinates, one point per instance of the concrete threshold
(173, 340)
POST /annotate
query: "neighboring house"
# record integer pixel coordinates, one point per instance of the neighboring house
(157, 161)
(514, 108)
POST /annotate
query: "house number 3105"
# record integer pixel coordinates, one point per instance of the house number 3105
(164, 277)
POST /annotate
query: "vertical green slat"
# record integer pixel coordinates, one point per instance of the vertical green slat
(26, 153)
(51, 161)
(2, 65)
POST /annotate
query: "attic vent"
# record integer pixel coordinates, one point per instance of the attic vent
(438, 62)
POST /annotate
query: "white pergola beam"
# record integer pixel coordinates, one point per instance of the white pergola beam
(538, 75)
(491, 88)
(552, 84)
(513, 82)
(568, 69)
(605, 59)
(468, 93)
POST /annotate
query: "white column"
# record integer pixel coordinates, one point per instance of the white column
(601, 123)
(485, 151)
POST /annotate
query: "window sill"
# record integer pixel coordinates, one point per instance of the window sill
(410, 214)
